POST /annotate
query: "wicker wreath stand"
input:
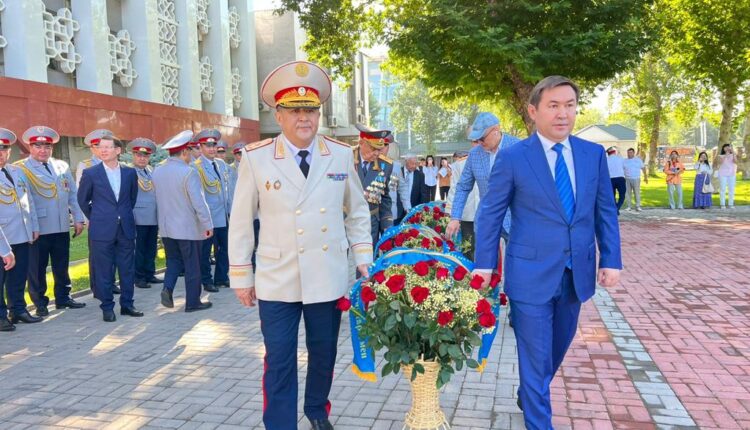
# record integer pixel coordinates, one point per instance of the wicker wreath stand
(425, 412)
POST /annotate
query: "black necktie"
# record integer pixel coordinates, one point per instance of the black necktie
(303, 162)
(145, 172)
(7, 175)
(213, 163)
(47, 167)
(365, 166)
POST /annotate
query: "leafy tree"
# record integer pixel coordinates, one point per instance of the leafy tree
(413, 108)
(374, 108)
(485, 50)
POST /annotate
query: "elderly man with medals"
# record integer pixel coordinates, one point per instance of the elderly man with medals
(375, 171)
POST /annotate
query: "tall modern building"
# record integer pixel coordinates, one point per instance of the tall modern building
(138, 67)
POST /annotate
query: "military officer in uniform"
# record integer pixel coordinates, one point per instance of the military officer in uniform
(374, 171)
(8, 262)
(146, 220)
(214, 177)
(18, 221)
(54, 190)
(299, 182)
(184, 221)
(221, 150)
(92, 142)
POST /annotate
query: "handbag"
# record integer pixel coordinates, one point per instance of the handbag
(707, 188)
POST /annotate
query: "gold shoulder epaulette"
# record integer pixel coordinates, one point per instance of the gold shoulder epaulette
(19, 162)
(256, 145)
(386, 159)
(337, 141)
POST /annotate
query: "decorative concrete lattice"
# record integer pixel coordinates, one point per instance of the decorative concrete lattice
(204, 24)
(234, 28)
(120, 50)
(170, 69)
(236, 81)
(3, 42)
(207, 87)
(58, 39)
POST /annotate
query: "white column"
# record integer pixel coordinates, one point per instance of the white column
(245, 59)
(140, 19)
(23, 28)
(187, 54)
(92, 42)
(216, 47)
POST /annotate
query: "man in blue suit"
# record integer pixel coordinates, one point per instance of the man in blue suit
(562, 206)
(107, 196)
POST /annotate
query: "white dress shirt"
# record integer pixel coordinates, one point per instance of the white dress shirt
(113, 175)
(552, 157)
(616, 166)
(296, 151)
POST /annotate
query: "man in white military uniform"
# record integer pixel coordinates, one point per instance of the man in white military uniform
(299, 181)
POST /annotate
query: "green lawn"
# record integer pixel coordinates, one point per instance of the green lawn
(654, 194)
(79, 246)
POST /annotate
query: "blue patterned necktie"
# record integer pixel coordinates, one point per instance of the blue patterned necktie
(562, 183)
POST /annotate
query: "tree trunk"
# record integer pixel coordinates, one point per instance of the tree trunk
(728, 100)
(520, 99)
(745, 160)
(653, 141)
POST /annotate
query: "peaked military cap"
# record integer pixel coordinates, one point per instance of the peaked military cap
(97, 135)
(142, 145)
(40, 134)
(7, 137)
(178, 142)
(297, 84)
(376, 138)
(221, 146)
(237, 147)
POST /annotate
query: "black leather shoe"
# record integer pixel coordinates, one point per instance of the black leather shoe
(42, 311)
(133, 312)
(24, 316)
(211, 288)
(518, 403)
(200, 307)
(155, 280)
(72, 304)
(142, 284)
(166, 298)
(116, 290)
(181, 274)
(222, 284)
(109, 316)
(321, 424)
(6, 325)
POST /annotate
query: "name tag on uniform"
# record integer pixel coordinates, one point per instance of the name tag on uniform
(337, 176)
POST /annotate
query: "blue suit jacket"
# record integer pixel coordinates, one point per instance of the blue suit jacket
(542, 239)
(105, 213)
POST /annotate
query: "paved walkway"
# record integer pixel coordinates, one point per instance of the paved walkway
(668, 348)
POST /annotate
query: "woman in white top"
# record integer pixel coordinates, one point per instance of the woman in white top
(703, 172)
(430, 171)
(727, 174)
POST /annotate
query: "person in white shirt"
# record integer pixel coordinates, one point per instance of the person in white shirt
(472, 201)
(617, 176)
(633, 166)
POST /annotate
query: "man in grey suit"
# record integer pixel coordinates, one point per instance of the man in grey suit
(146, 220)
(214, 178)
(18, 220)
(8, 262)
(184, 221)
(54, 192)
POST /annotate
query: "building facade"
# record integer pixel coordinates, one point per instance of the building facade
(147, 68)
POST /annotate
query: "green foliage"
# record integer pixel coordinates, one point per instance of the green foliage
(373, 107)
(413, 107)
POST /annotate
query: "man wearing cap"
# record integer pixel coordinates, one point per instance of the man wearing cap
(486, 131)
(472, 200)
(54, 190)
(299, 181)
(19, 222)
(221, 151)
(375, 172)
(616, 166)
(184, 221)
(146, 220)
(92, 142)
(214, 177)
(107, 196)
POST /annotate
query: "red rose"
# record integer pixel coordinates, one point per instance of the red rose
(483, 306)
(432, 263)
(460, 273)
(476, 282)
(386, 246)
(421, 268)
(436, 217)
(399, 239)
(451, 246)
(438, 242)
(436, 209)
(368, 295)
(487, 319)
(379, 277)
(444, 318)
(419, 294)
(442, 273)
(343, 304)
(494, 280)
(425, 243)
(396, 283)
(413, 233)
(438, 229)
(503, 299)
(426, 209)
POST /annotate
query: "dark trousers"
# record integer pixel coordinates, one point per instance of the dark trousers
(105, 256)
(13, 281)
(184, 256)
(280, 325)
(467, 233)
(56, 246)
(145, 252)
(619, 187)
(431, 192)
(543, 334)
(221, 271)
(444, 192)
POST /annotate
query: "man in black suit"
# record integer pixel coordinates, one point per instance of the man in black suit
(107, 196)
(411, 188)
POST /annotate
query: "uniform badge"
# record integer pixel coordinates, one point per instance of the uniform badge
(337, 176)
(301, 70)
(268, 186)
(277, 185)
